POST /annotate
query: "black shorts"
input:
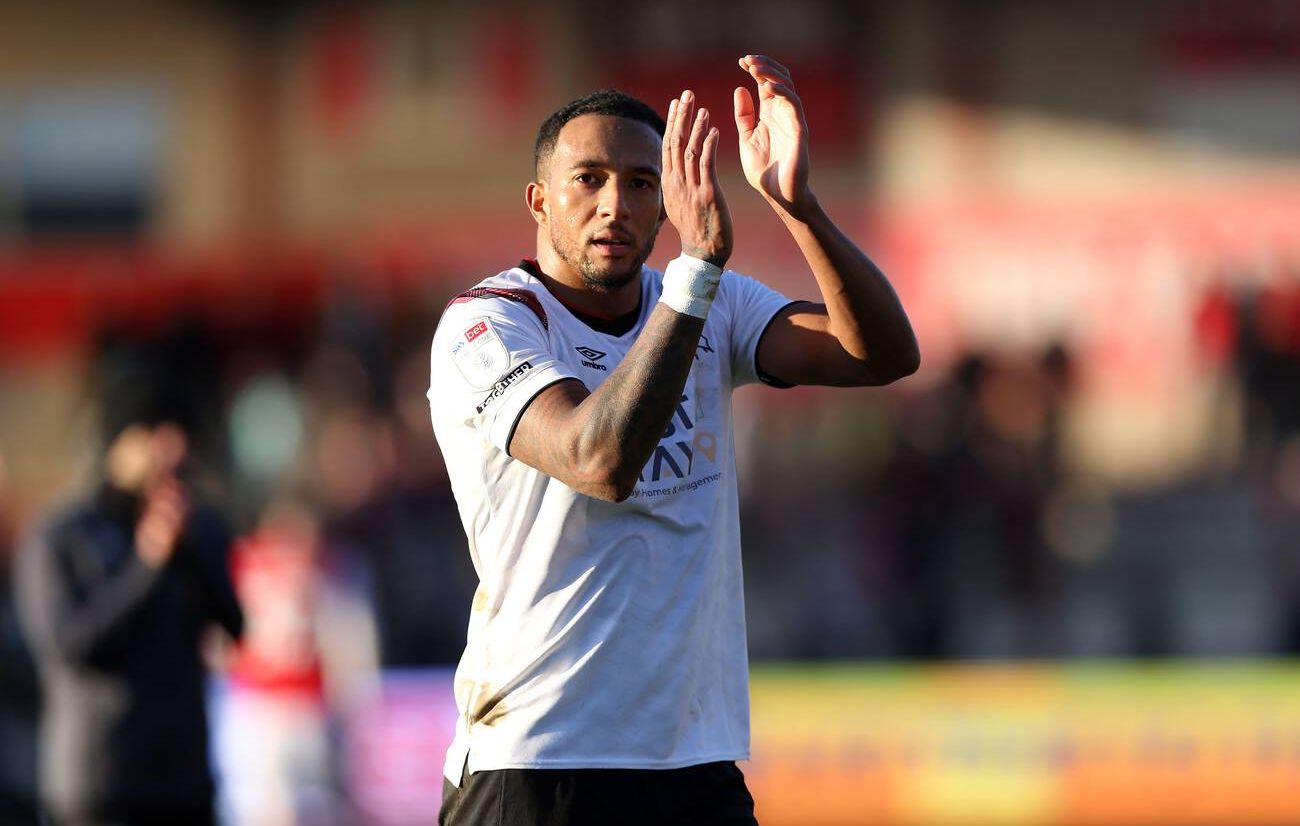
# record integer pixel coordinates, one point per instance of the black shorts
(712, 794)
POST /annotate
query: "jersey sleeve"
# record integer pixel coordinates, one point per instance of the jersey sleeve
(490, 358)
(750, 307)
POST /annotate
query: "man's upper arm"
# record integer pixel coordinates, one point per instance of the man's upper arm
(494, 370)
(534, 441)
(798, 347)
(490, 358)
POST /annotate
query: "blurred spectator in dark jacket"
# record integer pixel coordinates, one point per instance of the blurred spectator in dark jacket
(19, 692)
(115, 592)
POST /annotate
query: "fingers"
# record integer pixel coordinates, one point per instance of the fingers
(762, 67)
(695, 148)
(746, 117)
(677, 133)
(167, 503)
(772, 77)
(667, 162)
(686, 136)
(708, 156)
(770, 89)
(693, 199)
(161, 523)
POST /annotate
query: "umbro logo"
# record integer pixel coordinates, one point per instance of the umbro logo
(590, 357)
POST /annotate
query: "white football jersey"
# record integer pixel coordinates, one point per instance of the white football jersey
(602, 635)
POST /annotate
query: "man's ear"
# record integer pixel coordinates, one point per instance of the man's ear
(535, 195)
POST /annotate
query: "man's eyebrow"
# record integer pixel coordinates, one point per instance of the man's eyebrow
(594, 164)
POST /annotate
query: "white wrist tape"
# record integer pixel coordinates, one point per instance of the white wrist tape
(690, 285)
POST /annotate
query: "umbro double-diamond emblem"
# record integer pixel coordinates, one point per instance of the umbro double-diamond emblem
(591, 358)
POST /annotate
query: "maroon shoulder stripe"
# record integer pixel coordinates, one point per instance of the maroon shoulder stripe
(524, 297)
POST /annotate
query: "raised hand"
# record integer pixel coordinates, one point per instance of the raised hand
(773, 139)
(161, 522)
(693, 198)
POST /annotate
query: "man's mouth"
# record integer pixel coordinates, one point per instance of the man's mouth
(612, 242)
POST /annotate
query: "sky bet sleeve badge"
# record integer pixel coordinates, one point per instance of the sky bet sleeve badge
(480, 354)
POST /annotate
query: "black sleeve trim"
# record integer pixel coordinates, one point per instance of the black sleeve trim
(763, 375)
(524, 297)
(510, 437)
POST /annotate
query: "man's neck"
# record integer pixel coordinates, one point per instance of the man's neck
(569, 286)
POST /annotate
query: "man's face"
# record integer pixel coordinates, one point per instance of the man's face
(602, 203)
(142, 455)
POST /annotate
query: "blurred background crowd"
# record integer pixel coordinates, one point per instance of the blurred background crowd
(1091, 211)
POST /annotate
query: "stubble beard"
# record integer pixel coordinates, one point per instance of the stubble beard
(593, 276)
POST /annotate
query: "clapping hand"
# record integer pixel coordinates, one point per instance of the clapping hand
(693, 197)
(773, 138)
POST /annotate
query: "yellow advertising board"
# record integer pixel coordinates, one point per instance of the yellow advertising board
(1166, 744)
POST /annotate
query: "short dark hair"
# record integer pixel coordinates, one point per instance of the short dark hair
(604, 102)
(139, 392)
(154, 378)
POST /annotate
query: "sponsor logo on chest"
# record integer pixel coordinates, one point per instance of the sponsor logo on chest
(703, 347)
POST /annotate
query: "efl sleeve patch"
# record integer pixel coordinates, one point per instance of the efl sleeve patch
(479, 354)
(485, 368)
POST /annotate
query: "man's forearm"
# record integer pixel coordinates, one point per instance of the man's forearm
(630, 410)
(865, 314)
(86, 629)
(611, 433)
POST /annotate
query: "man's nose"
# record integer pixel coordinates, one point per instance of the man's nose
(613, 200)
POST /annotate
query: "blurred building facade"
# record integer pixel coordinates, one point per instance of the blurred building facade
(203, 122)
(1030, 173)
